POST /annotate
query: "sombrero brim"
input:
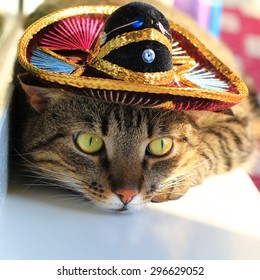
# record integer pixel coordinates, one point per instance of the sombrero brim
(218, 88)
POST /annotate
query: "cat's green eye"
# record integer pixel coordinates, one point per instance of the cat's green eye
(89, 143)
(161, 146)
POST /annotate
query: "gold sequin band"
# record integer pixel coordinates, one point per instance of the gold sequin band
(110, 84)
(121, 73)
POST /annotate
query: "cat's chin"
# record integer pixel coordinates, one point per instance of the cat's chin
(121, 209)
(115, 205)
(129, 208)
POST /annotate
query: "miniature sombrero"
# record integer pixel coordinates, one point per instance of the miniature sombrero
(130, 55)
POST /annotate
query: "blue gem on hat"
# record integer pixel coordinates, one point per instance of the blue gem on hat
(103, 38)
(148, 55)
(138, 22)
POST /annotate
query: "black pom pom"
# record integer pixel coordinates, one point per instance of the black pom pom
(144, 56)
(140, 14)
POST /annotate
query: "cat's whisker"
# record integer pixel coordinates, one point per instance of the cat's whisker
(41, 181)
(28, 186)
(37, 183)
(37, 167)
(163, 187)
(57, 178)
(67, 198)
(194, 166)
(177, 181)
(25, 154)
(84, 204)
(172, 192)
(173, 188)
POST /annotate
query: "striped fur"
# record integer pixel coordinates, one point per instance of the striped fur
(205, 144)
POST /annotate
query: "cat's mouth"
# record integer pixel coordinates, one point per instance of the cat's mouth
(122, 209)
(127, 207)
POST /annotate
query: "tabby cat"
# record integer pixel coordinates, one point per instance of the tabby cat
(121, 157)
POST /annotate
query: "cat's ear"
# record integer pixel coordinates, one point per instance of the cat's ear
(196, 115)
(39, 97)
(201, 117)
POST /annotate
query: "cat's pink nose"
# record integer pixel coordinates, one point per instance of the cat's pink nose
(126, 195)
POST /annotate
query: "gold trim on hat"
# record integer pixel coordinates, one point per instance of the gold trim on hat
(218, 64)
(121, 73)
(135, 86)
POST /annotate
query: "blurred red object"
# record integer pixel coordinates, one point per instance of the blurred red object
(241, 32)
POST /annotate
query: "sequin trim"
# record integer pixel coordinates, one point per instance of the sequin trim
(121, 73)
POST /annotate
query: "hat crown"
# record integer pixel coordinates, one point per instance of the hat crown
(142, 33)
(136, 16)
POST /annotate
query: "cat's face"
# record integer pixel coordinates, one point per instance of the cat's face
(118, 157)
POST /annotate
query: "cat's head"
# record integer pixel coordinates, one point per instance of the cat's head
(117, 156)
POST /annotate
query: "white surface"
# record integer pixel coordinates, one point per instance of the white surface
(219, 220)
(3, 156)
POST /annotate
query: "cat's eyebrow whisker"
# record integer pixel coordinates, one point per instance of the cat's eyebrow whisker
(158, 116)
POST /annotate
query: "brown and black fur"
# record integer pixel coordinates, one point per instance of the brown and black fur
(205, 144)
